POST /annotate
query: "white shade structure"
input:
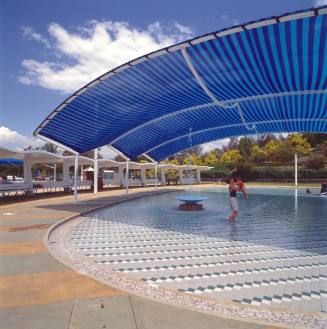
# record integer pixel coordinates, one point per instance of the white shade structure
(120, 175)
(115, 179)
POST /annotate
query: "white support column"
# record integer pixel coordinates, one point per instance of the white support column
(191, 178)
(96, 170)
(295, 174)
(163, 176)
(143, 179)
(82, 169)
(65, 174)
(127, 176)
(55, 173)
(121, 175)
(198, 176)
(155, 176)
(181, 176)
(75, 178)
(28, 174)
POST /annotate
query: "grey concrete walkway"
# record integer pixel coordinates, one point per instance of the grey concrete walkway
(121, 312)
(37, 291)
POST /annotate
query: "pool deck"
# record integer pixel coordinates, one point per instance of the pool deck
(37, 291)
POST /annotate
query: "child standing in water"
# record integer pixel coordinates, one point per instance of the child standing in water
(235, 185)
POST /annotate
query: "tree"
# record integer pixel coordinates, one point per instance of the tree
(316, 162)
(233, 143)
(299, 144)
(231, 157)
(315, 139)
(258, 155)
(211, 158)
(322, 149)
(49, 148)
(263, 140)
(171, 161)
(181, 156)
(244, 146)
(193, 159)
(271, 147)
(279, 151)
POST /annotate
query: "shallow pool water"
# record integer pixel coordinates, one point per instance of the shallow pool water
(274, 254)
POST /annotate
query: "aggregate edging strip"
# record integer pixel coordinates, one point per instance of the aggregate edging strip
(58, 243)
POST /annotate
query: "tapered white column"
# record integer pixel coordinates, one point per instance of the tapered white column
(65, 171)
(163, 176)
(155, 176)
(55, 173)
(96, 170)
(121, 175)
(127, 176)
(75, 177)
(143, 179)
(198, 176)
(28, 174)
(181, 175)
(295, 164)
(66, 177)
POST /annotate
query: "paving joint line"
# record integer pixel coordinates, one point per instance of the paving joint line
(130, 302)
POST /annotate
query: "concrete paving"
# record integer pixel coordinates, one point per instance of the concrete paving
(37, 291)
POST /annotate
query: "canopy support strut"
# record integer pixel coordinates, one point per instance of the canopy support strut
(96, 170)
(118, 152)
(211, 95)
(155, 170)
(75, 178)
(127, 176)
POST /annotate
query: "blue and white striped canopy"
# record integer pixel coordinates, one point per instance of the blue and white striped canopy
(265, 76)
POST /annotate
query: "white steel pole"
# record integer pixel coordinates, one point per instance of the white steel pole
(75, 178)
(82, 170)
(155, 175)
(96, 169)
(295, 175)
(55, 173)
(127, 176)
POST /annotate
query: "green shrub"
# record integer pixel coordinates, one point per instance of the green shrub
(316, 162)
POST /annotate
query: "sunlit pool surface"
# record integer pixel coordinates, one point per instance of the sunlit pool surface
(274, 254)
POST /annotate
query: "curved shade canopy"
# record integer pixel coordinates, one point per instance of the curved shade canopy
(264, 76)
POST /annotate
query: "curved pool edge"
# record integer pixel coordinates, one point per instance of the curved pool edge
(58, 244)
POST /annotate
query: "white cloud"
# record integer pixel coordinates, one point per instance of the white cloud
(14, 141)
(229, 20)
(29, 33)
(318, 3)
(235, 22)
(93, 49)
(207, 147)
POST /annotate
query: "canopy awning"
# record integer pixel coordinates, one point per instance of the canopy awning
(264, 76)
(11, 162)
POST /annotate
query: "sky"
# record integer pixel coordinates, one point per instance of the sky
(49, 49)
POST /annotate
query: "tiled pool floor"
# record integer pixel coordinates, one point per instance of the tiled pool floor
(274, 254)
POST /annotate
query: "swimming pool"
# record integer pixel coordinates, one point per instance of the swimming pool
(274, 254)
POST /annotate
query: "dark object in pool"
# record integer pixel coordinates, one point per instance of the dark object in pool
(191, 202)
